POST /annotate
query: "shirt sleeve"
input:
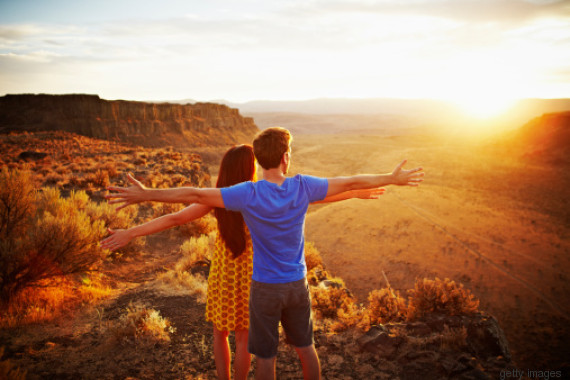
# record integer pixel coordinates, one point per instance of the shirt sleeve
(316, 188)
(235, 197)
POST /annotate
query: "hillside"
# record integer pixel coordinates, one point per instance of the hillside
(543, 139)
(72, 162)
(146, 124)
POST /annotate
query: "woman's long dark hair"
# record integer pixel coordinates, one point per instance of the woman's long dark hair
(238, 165)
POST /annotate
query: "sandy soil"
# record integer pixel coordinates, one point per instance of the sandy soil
(492, 223)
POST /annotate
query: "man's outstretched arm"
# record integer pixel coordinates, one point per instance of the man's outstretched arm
(399, 177)
(137, 193)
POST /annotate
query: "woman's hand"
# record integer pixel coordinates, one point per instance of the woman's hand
(118, 239)
(367, 193)
(126, 196)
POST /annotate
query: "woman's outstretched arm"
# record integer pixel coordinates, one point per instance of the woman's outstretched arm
(359, 194)
(120, 238)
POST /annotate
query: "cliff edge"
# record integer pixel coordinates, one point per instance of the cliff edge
(141, 123)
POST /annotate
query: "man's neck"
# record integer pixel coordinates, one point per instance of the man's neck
(274, 175)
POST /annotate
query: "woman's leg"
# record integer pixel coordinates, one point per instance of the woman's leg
(222, 355)
(242, 359)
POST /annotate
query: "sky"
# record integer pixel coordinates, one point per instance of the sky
(480, 52)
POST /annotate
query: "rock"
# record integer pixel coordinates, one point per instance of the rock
(31, 155)
(486, 339)
(418, 329)
(380, 342)
(419, 350)
(141, 123)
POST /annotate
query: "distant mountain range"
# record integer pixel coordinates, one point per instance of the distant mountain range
(418, 112)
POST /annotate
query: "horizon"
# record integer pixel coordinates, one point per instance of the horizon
(482, 55)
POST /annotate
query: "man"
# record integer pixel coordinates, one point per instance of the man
(274, 210)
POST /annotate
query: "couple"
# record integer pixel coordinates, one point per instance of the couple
(273, 210)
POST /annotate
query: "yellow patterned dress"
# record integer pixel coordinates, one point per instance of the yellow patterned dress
(227, 305)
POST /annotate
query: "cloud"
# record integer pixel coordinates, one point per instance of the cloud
(461, 10)
(306, 47)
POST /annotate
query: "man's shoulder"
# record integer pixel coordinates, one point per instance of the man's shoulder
(301, 177)
(307, 178)
(240, 187)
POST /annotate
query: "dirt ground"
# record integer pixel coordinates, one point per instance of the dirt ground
(80, 345)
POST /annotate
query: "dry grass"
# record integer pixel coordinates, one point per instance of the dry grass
(196, 249)
(74, 162)
(196, 252)
(53, 298)
(141, 325)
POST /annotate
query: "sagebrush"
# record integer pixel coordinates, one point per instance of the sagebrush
(44, 235)
(440, 296)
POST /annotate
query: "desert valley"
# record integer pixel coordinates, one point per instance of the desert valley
(491, 214)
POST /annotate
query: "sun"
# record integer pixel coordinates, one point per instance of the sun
(485, 106)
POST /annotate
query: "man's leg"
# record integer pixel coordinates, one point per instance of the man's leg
(309, 362)
(265, 302)
(264, 368)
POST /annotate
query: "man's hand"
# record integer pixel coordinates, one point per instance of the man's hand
(126, 196)
(118, 239)
(411, 177)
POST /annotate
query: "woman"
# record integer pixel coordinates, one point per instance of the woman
(231, 268)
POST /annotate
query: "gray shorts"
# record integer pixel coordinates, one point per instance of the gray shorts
(289, 303)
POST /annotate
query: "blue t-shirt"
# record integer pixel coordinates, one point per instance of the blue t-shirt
(275, 217)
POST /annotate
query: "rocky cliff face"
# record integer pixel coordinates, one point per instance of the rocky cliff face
(147, 124)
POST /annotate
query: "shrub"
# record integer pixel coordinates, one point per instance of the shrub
(122, 219)
(196, 249)
(312, 256)
(384, 306)
(142, 325)
(16, 202)
(161, 209)
(334, 305)
(316, 275)
(328, 300)
(111, 168)
(440, 296)
(100, 178)
(203, 226)
(59, 239)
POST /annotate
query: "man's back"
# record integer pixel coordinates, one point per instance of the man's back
(275, 216)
